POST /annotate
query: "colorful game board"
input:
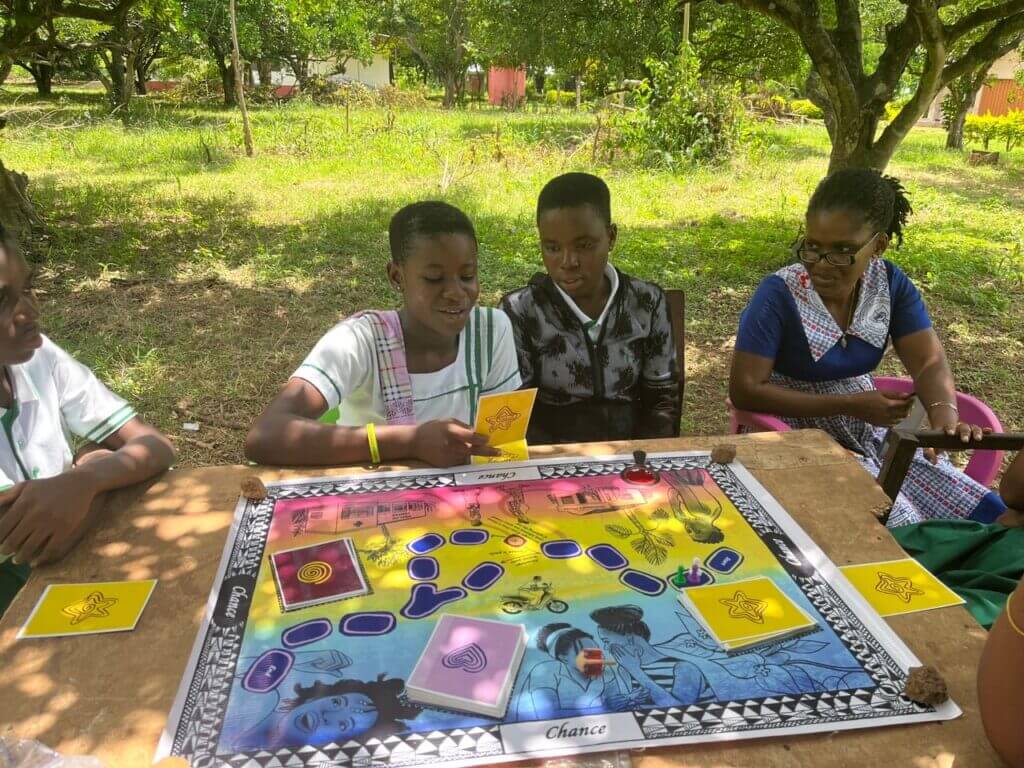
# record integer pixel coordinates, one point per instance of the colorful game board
(582, 553)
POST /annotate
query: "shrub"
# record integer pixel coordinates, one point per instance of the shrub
(556, 98)
(806, 108)
(681, 118)
(1011, 129)
(982, 129)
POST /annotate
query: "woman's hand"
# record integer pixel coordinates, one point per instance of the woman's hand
(945, 418)
(883, 408)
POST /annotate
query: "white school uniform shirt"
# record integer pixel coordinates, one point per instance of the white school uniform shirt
(55, 398)
(590, 325)
(343, 367)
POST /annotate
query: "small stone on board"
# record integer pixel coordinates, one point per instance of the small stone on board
(253, 488)
(926, 686)
(723, 454)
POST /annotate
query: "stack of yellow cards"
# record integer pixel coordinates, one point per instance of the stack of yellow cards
(504, 418)
(746, 613)
(86, 609)
(900, 586)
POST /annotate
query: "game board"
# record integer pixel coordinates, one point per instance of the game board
(570, 549)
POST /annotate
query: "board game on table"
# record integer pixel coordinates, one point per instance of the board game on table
(330, 590)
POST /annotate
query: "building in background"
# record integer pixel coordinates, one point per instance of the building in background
(1000, 94)
(506, 86)
(375, 74)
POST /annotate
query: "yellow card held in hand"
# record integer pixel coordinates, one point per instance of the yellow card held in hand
(749, 610)
(900, 586)
(85, 609)
(504, 418)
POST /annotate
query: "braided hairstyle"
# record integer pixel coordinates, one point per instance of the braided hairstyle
(880, 199)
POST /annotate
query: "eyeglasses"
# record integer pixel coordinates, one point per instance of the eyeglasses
(811, 255)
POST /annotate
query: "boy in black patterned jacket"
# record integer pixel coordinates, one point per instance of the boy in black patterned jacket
(596, 342)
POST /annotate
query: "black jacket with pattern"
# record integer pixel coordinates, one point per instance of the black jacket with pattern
(623, 386)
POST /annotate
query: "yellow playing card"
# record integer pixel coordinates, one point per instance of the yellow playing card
(900, 586)
(504, 418)
(85, 609)
(745, 612)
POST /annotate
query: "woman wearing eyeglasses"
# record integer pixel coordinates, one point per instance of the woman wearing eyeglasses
(814, 332)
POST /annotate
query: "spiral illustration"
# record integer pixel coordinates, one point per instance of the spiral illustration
(315, 572)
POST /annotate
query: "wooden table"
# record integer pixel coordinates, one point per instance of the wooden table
(108, 695)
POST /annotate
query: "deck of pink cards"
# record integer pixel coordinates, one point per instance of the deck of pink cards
(321, 573)
(469, 665)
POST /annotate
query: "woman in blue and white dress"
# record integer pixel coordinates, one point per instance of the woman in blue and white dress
(814, 332)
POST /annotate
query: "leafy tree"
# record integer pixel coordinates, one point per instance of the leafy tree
(853, 86)
(964, 90)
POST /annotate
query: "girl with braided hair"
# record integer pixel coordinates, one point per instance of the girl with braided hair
(814, 332)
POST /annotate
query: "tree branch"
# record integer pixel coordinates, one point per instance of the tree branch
(983, 16)
(1000, 40)
(849, 36)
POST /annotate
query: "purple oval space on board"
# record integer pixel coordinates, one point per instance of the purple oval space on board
(367, 624)
(305, 633)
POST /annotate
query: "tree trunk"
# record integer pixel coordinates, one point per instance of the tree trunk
(958, 103)
(120, 88)
(853, 145)
(42, 74)
(239, 90)
(5, 69)
(265, 69)
(227, 81)
(955, 132)
(451, 91)
(16, 212)
(141, 76)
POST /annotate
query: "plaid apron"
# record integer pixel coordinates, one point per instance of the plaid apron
(930, 491)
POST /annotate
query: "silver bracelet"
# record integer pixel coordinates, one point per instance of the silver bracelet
(949, 405)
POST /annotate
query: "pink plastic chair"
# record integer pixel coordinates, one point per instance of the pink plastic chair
(983, 465)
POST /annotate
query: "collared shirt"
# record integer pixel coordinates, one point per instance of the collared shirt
(590, 325)
(344, 368)
(55, 398)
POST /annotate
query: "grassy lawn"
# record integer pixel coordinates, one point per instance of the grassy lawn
(188, 275)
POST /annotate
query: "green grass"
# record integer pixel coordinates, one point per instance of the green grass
(180, 270)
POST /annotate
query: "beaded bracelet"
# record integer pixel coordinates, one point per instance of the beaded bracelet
(951, 406)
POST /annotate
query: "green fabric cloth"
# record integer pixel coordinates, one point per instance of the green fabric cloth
(12, 579)
(983, 563)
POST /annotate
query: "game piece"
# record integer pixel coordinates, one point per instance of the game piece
(253, 488)
(592, 663)
(926, 686)
(321, 573)
(469, 665)
(723, 454)
(640, 473)
(693, 577)
(504, 417)
(744, 613)
(896, 587)
(570, 555)
(86, 609)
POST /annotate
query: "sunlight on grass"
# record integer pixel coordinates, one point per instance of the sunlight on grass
(180, 270)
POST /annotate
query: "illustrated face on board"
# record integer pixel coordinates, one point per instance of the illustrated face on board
(609, 638)
(845, 233)
(328, 719)
(574, 243)
(19, 333)
(438, 281)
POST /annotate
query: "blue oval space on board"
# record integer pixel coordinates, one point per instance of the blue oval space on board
(562, 549)
(642, 582)
(428, 542)
(369, 623)
(305, 633)
(268, 671)
(469, 536)
(607, 556)
(483, 576)
(423, 569)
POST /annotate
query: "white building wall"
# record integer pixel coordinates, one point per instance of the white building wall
(376, 74)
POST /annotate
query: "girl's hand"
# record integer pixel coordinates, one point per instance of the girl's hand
(883, 408)
(43, 519)
(448, 443)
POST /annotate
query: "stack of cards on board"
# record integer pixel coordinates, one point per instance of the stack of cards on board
(468, 665)
(745, 613)
(321, 573)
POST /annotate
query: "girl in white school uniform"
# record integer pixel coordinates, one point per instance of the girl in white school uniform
(46, 397)
(405, 383)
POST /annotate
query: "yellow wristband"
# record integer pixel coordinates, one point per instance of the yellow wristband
(371, 438)
(1009, 617)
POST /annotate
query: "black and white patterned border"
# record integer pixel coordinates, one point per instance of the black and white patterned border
(205, 705)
